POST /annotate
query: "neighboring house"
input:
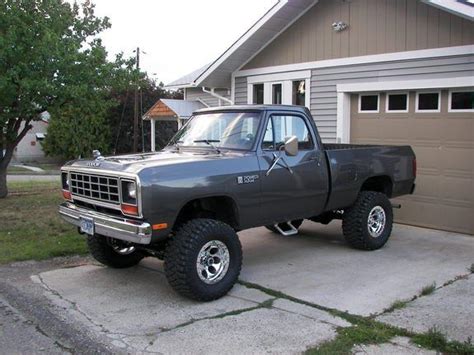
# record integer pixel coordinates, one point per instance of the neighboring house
(370, 71)
(29, 149)
(170, 110)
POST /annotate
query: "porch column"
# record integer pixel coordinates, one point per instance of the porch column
(179, 123)
(152, 134)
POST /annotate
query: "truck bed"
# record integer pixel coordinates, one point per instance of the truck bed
(351, 165)
(341, 146)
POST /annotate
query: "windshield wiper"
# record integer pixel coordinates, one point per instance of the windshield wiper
(209, 142)
(176, 145)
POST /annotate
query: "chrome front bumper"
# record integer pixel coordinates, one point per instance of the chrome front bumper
(115, 227)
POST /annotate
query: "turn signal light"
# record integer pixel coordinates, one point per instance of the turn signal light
(67, 195)
(160, 226)
(129, 209)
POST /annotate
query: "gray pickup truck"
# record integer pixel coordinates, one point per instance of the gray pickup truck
(230, 169)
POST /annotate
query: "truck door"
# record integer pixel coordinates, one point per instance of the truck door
(297, 186)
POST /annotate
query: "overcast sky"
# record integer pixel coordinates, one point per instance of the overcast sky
(178, 36)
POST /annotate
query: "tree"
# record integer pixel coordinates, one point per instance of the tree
(120, 117)
(50, 60)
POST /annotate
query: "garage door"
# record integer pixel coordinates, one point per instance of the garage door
(443, 143)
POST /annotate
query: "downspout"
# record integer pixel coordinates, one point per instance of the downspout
(212, 92)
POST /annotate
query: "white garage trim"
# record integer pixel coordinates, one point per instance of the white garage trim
(343, 120)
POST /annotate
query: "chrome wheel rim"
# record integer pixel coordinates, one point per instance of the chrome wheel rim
(213, 262)
(121, 248)
(376, 221)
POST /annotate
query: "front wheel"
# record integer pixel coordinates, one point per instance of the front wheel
(113, 252)
(367, 224)
(203, 260)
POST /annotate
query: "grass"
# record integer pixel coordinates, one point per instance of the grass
(435, 340)
(365, 330)
(428, 289)
(49, 169)
(30, 227)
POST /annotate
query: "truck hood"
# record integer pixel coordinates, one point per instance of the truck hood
(134, 163)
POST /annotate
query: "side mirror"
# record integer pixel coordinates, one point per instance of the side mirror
(291, 146)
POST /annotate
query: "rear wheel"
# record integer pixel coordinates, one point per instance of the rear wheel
(203, 260)
(296, 223)
(367, 224)
(112, 252)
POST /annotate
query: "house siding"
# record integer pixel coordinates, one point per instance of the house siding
(197, 94)
(375, 27)
(323, 103)
(240, 89)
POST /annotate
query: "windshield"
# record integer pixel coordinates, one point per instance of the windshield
(231, 130)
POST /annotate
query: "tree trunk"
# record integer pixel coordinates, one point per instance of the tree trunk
(3, 182)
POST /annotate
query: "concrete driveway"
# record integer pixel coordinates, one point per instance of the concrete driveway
(281, 305)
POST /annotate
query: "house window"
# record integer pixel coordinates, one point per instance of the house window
(397, 102)
(428, 101)
(299, 92)
(276, 94)
(257, 94)
(461, 101)
(369, 103)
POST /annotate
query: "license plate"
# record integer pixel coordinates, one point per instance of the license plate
(87, 225)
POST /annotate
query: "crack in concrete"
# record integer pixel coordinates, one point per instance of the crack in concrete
(265, 304)
(420, 295)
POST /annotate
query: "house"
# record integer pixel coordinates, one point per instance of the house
(30, 149)
(370, 71)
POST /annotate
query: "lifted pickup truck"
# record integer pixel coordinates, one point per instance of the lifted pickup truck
(230, 169)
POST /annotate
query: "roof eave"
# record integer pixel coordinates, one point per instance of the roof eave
(268, 15)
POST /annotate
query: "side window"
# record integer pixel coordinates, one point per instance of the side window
(281, 127)
(268, 137)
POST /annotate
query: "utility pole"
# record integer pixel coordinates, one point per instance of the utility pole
(135, 109)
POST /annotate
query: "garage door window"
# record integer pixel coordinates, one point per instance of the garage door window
(368, 103)
(461, 101)
(397, 102)
(428, 102)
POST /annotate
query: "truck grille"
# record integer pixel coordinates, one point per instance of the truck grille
(96, 187)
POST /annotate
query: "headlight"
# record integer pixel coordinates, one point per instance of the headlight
(132, 191)
(129, 192)
(65, 181)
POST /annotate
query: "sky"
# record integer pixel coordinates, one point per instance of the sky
(178, 36)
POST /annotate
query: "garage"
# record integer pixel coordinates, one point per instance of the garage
(439, 125)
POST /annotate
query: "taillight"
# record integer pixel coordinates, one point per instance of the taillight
(414, 167)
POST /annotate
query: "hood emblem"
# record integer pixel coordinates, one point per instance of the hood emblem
(96, 154)
(94, 163)
(98, 157)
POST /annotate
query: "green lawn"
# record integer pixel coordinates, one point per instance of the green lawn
(30, 227)
(49, 169)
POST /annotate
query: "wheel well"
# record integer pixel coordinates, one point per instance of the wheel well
(381, 184)
(222, 208)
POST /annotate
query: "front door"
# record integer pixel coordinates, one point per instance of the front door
(298, 185)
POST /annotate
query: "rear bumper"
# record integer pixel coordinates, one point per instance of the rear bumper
(110, 226)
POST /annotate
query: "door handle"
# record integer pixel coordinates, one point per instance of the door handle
(316, 158)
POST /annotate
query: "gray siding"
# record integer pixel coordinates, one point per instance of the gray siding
(324, 81)
(240, 91)
(375, 27)
(198, 94)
